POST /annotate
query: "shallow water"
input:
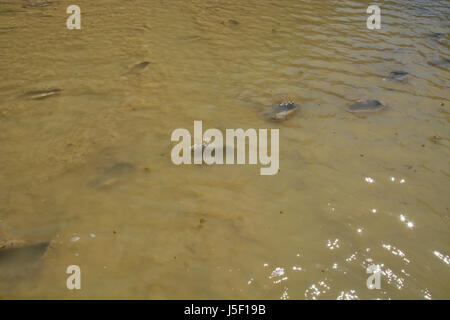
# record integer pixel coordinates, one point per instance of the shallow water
(89, 168)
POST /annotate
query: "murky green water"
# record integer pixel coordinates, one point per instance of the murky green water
(88, 169)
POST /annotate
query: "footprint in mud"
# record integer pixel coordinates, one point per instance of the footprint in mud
(362, 106)
(112, 175)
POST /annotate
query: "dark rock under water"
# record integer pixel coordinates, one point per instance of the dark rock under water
(283, 111)
(397, 75)
(37, 4)
(112, 174)
(138, 68)
(21, 254)
(436, 35)
(366, 106)
(440, 62)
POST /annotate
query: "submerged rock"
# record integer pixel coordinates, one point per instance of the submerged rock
(138, 68)
(436, 35)
(14, 252)
(208, 149)
(397, 76)
(440, 62)
(36, 4)
(198, 146)
(366, 106)
(283, 111)
(231, 23)
(41, 94)
(111, 175)
(435, 139)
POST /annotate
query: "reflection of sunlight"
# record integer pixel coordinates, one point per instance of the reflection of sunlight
(314, 291)
(279, 280)
(395, 251)
(278, 272)
(400, 181)
(426, 294)
(393, 278)
(444, 258)
(285, 294)
(369, 180)
(351, 258)
(332, 208)
(388, 275)
(409, 224)
(349, 295)
(333, 245)
(405, 273)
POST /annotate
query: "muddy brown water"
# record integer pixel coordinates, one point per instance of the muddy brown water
(89, 168)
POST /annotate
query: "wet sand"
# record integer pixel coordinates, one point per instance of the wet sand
(353, 189)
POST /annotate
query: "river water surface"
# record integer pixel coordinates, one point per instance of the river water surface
(89, 169)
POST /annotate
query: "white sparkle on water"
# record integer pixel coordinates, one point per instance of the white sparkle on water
(444, 258)
(369, 179)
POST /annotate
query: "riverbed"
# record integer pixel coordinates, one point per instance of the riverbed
(88, 169)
